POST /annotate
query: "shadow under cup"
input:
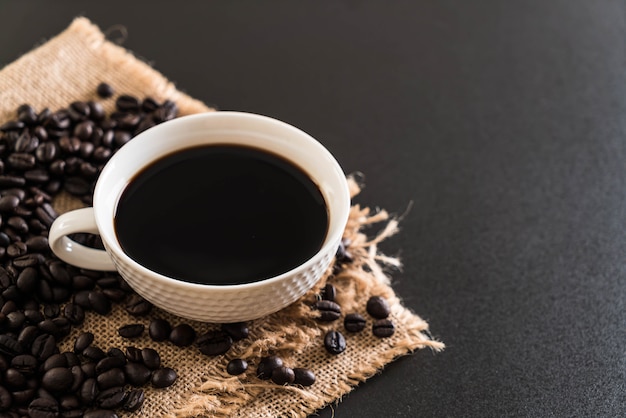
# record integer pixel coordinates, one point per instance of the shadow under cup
(223, 302)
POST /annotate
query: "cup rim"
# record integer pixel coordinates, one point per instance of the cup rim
(332, 239)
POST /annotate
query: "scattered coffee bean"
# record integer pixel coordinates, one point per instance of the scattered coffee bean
(267, 365)
(329, 292)
(134, 400)
(83, 341)
(237, 330)
(236, 366)
(334, 342)
(163, 377)
(105, 90)
(100, 413)
(304, 377)
(111, 398)
(383, 328)
(138, 306)
(378, 307)
(110, 378)
(133, 354)
(150, 358)
(159, 329)
(354, 322)
(131, 330)
(137, 374)
(329, 310)
(110, 362)
(283, 375)
(214, 343)
(182, 335)
(99, 303)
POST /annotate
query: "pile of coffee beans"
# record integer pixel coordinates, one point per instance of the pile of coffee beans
(41, 298)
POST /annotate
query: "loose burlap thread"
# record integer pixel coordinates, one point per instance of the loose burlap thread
(68, 67)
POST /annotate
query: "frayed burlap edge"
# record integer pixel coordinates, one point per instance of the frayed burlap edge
(296, 336)
(68, 67)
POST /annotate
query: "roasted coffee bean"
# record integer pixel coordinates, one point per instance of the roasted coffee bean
(115, 295)
(159, 329)
(214, 343)
(9, 345)
(80, 282)
(18, 223)
(99, 303)
(163, 377)
(58, 379)
(69, 402)
(16, 249)
(329, 310)
(7, 181)
(21, 161)
(378, 307)
(108, 281)
(121, 137)
(111, 398)
(150, 358)
(182, 335)
(44, 217)
(9, 203)
(304, 377)
(89, 369)
(237, 330)
(43, 346)
(236, 366)
(110, 378)
(78, 377)
(25, 364)
(78, 110)
(11, 125)
(283, 375)
(131, 330)
(129, 121)
(72, 358)
(100, 413)
(343, 255)
(105, 90)
(55, 360)
(334, 342)
(27, 335)
(76, 185)
(27, 280)
(96, 111)
(63, 327)
(137, 374)
(74, 314)
(24, 396)
(84, 130)
(383, 328)
(93, 353)
(134, 400)
(43, 408)
(28, 260)
(109, 363)
(133, 354)
(116, 352)
(36, 176)
(267, 365)
(12, 293)
(5, 399)
(81, 298)
(88, 391)
(51, 310)
(15, 320)
(127, 103)
(37, 243)
(83, 341)
(14, 379)
(47, 152)
(59, 274)
(354, 322)
(101, 154)
(138, 306)
(26, 143)
(329, 292)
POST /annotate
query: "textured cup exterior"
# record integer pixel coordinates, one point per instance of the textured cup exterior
(224, 304)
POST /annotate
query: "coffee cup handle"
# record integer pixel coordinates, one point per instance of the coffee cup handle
(77, 221)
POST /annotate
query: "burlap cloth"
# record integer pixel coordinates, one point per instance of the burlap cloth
(69, 67)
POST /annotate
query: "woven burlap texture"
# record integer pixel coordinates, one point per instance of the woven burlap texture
(68, 67)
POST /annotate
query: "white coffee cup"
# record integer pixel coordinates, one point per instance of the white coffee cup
(209, 303)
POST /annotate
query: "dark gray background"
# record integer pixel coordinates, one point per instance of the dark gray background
(504, 123)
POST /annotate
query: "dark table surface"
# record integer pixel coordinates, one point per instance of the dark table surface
(503, 122)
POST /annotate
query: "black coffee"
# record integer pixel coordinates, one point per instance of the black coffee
(221, 214)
